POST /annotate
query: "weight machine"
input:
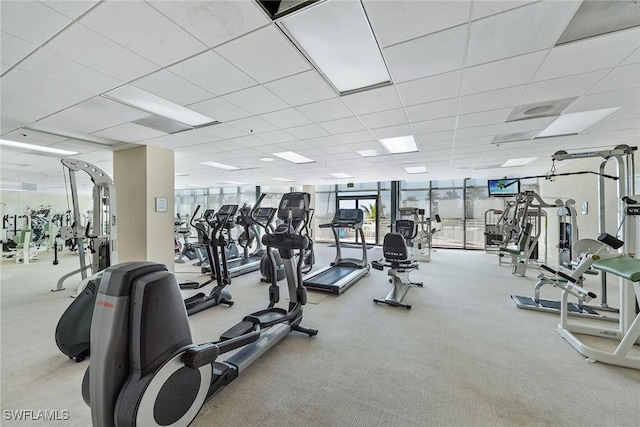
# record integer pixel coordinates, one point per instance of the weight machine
(420, 245)
(100, 232)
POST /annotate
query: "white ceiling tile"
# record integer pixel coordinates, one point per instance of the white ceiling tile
(252, 125)
(219, 109)
(436, 137)
(27, 97)
(485, 8)
(630, 112)
(594, 53)
(286, 118)
(256, 100)
(396, 21)
(172, 87)
(303, 88)
(213, 73)
(323, 141)
(99, 106)
(518, 31)
(437, 125)
(336, 149)
(293, 146)
(71, 9)
(432, 110)
(265, 55)
(565, 87)
(307, 131)
(614, 125)
(78, 120)
(373, 100)
(129, 132)
(384, 118)
(356, 137)
(392, 131)
(13, 48)
(429, 89)
(322, 111)
(483, 118)
(482, 141)
(142, 29)
(220, 130)
(214, 23)
(493, 100)
(63, 70)
(169, 142)
(31, 21)
(427, 146)
(277, 136)
(634, 58)
(619, 78)
(433, 54)
(84, 46)
(248, 141)
(341, 126)
(500, 74)
(478, 131)
(620, 98)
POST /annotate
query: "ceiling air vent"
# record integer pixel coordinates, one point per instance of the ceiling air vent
(595, 18)
(162, 124)
(539, 109)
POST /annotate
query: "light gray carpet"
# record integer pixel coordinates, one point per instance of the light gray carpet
(462, 356)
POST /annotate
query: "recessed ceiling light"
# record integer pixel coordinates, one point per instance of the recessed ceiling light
(370, 153)
(34, 147)
(573, 123)
(346, 51)
(518, 162)
(340, 175)
(181, 174)
(151, 103)
(293, 157)
(11, 189)
(266, 159)
(400, 144)
(195, 185)
(416, 169)
(220, 166)
(282, 179)
(235, 182)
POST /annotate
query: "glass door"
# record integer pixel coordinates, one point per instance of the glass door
(368, 205)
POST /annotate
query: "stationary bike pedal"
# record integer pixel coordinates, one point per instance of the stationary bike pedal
(237, 330)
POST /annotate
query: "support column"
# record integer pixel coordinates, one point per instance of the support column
(144, 181)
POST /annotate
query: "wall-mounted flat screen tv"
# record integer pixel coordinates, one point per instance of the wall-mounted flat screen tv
(503, 187)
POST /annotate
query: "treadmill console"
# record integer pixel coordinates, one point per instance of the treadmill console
(348, 218)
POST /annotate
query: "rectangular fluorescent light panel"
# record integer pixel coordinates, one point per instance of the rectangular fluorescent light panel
(235, 182)
(337, 38)
(370, 153)
(573, 123)
(401, 144)
(220, 166)
(416, 169)
(293, 157)
(146, 101)
(33, 147)
(518, 162)
(282, 179)
(340, 175)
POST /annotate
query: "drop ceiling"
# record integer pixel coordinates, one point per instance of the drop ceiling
(459, 69)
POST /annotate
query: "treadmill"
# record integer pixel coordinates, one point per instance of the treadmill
(249, 262)
(342, 272)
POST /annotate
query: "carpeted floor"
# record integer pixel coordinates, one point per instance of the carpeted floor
(464, 355)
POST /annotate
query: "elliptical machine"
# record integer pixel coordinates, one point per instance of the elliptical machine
(216, 244)
(145, 368)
